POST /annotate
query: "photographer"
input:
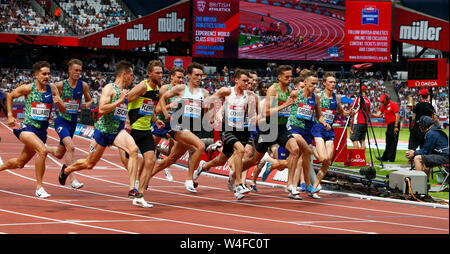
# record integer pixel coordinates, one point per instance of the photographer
(435, 149)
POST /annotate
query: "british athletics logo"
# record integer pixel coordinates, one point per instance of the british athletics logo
(370, 15)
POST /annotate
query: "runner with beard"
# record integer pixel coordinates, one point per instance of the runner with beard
(142, 101)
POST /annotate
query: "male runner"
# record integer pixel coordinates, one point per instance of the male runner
(186, 122)
(301, 120)
(39, 97)
(109, 129)
(235, 132)
(278, 103)
(176, 78)
(330, 105)
(71, 91)
(142, 101)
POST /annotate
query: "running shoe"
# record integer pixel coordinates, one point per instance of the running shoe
(267, 172)
(199, 170)
(238, 192)
(253, 188)
(141, 202)
(302, 187)
(294, 190)
(169, 176)
(41, 193)
(310, 189)
(314, 195)
(245, 189)
(62, 176)
(76, 185)
(189, 184)
(294, 196)
(214, 147)
(133, 193)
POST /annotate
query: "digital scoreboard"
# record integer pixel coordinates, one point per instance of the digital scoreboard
(427, 72)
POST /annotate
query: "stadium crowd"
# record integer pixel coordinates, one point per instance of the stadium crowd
(82, 17)
(19, 17)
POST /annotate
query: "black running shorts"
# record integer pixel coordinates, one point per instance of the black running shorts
(229, 138)
(283, 136)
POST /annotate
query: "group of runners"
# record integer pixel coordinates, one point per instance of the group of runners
(259, 125)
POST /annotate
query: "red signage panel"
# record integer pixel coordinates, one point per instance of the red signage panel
(421, 30)
(163, 25)
(367, 31)
(39, 39)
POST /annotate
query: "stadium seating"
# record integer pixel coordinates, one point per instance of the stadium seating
(93, 15)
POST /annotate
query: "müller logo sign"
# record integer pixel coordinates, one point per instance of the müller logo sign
(171, 23)
(138, 33)
(110, 40)
(420, 30)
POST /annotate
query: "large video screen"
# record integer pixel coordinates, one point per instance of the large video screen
(292, 30)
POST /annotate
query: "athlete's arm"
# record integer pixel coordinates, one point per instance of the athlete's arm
(59, 85)
(341, 110)
(87, 97)
(57, 99)
(137, 91)
(175, 91)
(105, 106)
(23, 90)
(319, 115)
(271, 93)
(220, 94)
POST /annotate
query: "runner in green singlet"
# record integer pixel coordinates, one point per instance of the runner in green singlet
(109, 129)
(278, 93)
(33, 130)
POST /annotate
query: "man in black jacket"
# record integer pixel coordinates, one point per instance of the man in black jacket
(435, 149)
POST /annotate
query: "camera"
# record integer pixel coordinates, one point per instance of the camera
(369, 173)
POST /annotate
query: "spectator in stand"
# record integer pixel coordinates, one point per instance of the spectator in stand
(390, 111)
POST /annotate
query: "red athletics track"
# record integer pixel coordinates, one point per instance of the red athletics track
(102, 206)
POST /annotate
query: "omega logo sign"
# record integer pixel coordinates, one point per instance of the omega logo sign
(426, 83)
(138, 33)
(419, 30)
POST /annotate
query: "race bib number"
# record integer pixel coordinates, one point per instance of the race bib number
(328, 115)
(236, 115)
(284, 112)
(147, 107)
(72, 106)
(40, 111)
(305, 111)
(121, 111)
(192, 109)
